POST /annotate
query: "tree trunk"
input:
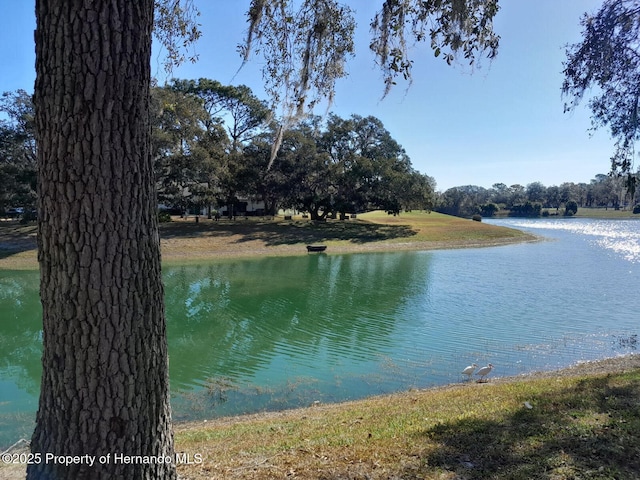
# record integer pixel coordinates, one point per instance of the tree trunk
(105, 387)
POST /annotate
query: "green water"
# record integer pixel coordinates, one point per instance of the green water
(284, 331)
(272, 333)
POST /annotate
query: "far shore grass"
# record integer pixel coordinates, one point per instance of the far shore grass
(606, 213)
(187, 241)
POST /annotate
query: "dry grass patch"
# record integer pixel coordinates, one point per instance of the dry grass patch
(18, 245)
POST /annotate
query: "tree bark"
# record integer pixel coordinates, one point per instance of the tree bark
(105, 387)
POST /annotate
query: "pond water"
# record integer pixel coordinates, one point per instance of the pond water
(274, 333)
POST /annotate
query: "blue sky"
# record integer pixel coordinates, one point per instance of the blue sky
(503, 122)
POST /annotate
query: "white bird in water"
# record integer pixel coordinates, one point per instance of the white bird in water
(484, 371)
(469, 370)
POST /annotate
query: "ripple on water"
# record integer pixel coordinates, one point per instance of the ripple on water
(622, 237)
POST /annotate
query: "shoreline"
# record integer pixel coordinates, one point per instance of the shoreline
(27, 260)
(374, 247)
(603, 366)
(187, 242)
(186, 433)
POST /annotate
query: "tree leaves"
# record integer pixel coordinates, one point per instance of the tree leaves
(305, 52)
(305, 49)
(176, 29)
(608, 59)
(453, 26)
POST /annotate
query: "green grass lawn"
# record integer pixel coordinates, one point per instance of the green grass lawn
(183, 241)
(605, 213)
(437, 227)
(547, 428)
(556, 426)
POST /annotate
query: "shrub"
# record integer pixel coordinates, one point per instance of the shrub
(636, 209)
(571, 208)
(477, 218)
(164, 216)
(489, 209)
(527, 209)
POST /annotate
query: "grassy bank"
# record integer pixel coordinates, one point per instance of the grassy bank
(185, 241)
(606, 213)
(556, 426)
(582, 422)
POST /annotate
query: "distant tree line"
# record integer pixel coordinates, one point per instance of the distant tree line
(212, 148)
(535, 199)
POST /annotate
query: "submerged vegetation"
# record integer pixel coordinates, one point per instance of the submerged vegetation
(554, 426)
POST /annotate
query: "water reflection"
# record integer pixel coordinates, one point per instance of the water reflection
(236, 319)
(20, 330)
(314, 326)
(621, 237)
(20, 352)
(279, 332)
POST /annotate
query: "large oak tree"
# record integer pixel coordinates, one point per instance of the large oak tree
(105, 375)
(104, 384)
